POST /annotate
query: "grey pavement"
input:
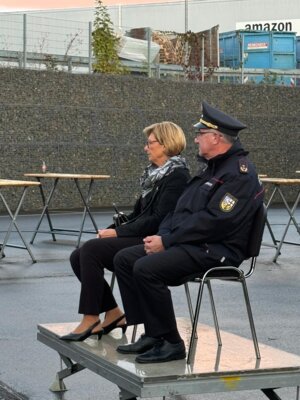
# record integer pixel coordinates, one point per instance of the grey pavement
(47, 292)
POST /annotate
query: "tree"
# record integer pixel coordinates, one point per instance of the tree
(105, 43)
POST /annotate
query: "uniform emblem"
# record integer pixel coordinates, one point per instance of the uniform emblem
(228, 202)
(243, 166)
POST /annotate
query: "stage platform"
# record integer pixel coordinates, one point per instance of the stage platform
(214, 369)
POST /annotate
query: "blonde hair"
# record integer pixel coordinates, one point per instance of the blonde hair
(169, 135)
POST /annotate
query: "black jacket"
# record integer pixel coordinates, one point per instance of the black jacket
(150, 211)
(215, 211)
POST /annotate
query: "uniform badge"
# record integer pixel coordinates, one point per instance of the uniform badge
(228, 202)
(243, 166)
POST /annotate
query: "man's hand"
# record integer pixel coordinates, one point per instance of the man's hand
(153, 244)
(105, 233)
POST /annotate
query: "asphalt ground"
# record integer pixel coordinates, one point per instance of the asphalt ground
(47, 292)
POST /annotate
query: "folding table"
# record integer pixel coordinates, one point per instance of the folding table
(9, 183)
(46, 202)
(277, 184)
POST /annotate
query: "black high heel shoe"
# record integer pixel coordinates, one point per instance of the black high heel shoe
(80, 337)
(113, 325)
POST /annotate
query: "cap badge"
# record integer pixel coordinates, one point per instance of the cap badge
(228, 202)
(208, 124)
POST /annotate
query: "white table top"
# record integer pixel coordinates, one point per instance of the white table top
(66, 176)
(12, 182)
(281, 181)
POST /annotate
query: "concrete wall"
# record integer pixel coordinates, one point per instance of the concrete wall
(93, 124)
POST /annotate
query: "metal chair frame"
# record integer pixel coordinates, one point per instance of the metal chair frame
(112, 284)
(228, 273)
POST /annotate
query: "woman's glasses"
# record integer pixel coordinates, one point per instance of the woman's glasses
(149, 142)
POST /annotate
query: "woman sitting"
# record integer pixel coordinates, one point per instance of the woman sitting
(162, 183)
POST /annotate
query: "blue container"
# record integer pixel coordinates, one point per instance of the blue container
(298, 51)
(259, 49)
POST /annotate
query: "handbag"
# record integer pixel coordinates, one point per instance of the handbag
(119, 217)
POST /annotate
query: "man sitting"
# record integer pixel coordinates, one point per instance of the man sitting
(210, 225)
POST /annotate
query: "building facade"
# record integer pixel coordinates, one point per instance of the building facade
(194, 15)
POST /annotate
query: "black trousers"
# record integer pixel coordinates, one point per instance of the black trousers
(88, 263)
(144, 279)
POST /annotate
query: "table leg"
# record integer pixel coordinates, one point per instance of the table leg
(268, 223)
(86, 209)
(46, 211)
(292, 218)
(13, 222)
(292, 210)
(271, 234)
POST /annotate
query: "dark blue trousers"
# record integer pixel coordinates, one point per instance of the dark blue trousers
(144, 279)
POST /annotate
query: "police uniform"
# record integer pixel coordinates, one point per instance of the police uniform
(210, 224)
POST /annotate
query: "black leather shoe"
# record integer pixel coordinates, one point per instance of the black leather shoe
(80, 337)
(114, 325)
(163, 352)
(143, 344)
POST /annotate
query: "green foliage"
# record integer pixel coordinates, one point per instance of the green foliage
(105, 43)
(269, 78)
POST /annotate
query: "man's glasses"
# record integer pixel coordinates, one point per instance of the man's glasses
(199, 133)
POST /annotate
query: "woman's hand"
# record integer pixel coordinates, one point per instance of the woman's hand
(105, 233)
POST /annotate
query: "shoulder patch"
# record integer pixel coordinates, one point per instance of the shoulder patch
(243, 164)
(228, 203)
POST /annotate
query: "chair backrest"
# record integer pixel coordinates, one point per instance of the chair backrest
(254, 244)
(257, 231)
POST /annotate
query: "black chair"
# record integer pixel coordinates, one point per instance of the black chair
(228, 273)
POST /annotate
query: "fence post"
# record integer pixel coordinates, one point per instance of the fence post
(186, 15)
(90, 47)
(119, 16)
(69, 64)
(24, 40)
(243, 61)
(158, 71)
(149, 52)
(202, 58)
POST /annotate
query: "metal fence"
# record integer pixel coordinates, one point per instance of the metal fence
(29, 41)
(44, 43)
(40, 42)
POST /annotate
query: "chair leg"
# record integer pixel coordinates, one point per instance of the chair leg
(250, 316)
(189, 301)
(214, 312)
(133, 333)
(112, 282)
(190, 304)
(195, 321)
